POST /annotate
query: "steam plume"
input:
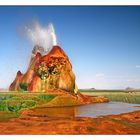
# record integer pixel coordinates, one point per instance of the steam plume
(44, 37)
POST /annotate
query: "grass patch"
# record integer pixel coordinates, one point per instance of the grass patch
(47, 97)
(120, 96)
(14, 101)
(61, 101)
(6, 96)
(16, 105)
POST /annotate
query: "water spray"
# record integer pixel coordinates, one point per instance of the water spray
(44, 37)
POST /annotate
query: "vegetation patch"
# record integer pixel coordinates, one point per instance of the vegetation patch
(6, 96)
(14, 102)
(61, 101)
(16, 105)
(23, 86)
(120, 96)
(47, 97)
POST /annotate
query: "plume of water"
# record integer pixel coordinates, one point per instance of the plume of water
(44, 37)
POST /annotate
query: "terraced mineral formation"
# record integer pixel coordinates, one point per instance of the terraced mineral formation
(51, 71)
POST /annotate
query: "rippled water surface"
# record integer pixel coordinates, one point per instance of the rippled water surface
(96, 110)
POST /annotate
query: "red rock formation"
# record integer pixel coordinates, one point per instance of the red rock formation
(15, 84)
(35, 84)
(28, 76)
(51, 71)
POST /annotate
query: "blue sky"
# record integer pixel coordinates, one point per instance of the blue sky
(103, 43)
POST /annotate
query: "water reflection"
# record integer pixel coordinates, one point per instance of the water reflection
(59, 112)
(101, 109)
(91, 110)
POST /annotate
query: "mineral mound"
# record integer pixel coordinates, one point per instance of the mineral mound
(48, 72)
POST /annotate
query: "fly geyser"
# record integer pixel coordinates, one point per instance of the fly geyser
(50, 69)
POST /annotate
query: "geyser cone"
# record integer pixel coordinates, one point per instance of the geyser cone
(49, 72)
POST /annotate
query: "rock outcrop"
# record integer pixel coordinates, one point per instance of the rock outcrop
(15, 84)
(47, 72)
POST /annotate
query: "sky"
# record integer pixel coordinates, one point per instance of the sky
(102, 42)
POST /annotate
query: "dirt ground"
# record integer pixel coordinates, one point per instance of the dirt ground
(33, 122)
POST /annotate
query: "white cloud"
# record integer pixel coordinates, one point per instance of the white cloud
(100, 75)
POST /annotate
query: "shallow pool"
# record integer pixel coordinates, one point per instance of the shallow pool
(100, 109)
(92, 110)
